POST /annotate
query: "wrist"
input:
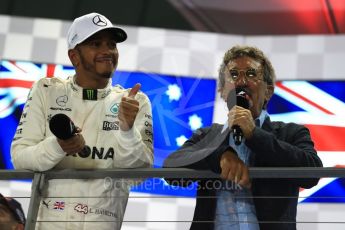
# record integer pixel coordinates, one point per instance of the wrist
(250, 133)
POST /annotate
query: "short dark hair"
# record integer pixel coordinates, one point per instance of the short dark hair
(7, 219)
(14, 207)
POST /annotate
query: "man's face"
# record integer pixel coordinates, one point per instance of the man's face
(97, 56)
(257, 89)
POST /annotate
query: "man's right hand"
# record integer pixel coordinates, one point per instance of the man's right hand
(74, 144)
(129, 108)
(234, 169)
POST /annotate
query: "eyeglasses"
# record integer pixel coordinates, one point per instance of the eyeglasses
(250, 74)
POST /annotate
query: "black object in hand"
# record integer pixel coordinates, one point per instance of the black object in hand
(237, 96)
(62, 126)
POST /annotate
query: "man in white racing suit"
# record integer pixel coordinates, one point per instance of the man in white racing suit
(114, 131)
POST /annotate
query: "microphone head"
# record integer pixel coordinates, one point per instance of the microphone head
(62, 126)
(237, 96)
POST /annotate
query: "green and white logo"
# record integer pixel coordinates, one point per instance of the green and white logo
(115, 108)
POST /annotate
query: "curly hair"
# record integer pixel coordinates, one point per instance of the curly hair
(247, 51)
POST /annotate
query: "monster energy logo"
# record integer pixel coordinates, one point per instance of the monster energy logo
(90, 94)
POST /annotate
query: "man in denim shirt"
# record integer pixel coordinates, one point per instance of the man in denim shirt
(251, 204)
(235, 208)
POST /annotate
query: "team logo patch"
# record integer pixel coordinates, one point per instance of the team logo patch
(115, 108)
(62, 100)
(90, 94)
(61, 109)
(98, 20)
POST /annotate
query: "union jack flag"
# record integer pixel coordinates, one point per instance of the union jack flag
(16, 79)
(319, 105)
(59, 205)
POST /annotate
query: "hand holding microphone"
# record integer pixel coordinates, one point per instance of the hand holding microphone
(239, 117)
(68, 135)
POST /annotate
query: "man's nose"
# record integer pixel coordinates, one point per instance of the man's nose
(242, 79)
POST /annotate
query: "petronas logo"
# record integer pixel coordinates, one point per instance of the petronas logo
(90, 94)
(115, 108)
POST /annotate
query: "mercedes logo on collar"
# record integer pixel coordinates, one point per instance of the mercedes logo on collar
(98, 20)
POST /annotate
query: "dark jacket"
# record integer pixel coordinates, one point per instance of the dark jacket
(276, 144)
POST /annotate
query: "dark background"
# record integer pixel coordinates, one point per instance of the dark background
(245, 17)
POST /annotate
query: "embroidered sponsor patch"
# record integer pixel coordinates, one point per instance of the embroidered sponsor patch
(114, 108)
(62, 100)
(110, 125)
(90, 94)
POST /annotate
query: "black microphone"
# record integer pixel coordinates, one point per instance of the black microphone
(63, 128)
(237, 96)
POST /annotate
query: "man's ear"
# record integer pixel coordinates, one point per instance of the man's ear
(221, 93)
(73, 57)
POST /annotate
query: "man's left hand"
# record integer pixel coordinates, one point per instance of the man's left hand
(243, 118)
(234, 169)
(129, 108)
